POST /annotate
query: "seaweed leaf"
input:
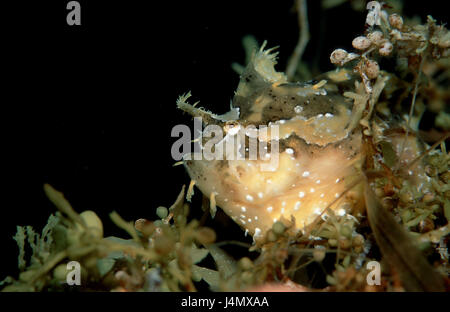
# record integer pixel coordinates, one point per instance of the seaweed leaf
(399, 249)
(58, 199)
(105, 265)
(46, 236)
(20, 239)
(124, 225)
(225, 264)
(198, 254)
(33, 241)
(212, 277)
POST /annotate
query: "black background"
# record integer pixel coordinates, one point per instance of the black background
(89, 108)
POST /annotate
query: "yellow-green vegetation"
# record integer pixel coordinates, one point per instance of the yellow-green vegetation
(159, 256)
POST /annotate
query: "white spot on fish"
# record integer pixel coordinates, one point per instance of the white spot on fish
(298, 109)
(341, 212)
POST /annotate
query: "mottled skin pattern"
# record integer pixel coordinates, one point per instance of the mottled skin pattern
(319, 155)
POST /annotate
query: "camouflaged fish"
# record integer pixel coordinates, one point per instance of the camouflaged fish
(319, 151)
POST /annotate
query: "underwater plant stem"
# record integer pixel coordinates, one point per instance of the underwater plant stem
(233, 242)
(416, 86)
(411, 110)
(305, 264)
(439, 142)
(58, 199)
(303, 39)
(147, 254)
(127, 226)
(49, 265)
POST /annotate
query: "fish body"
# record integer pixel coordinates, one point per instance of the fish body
(308, 125)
